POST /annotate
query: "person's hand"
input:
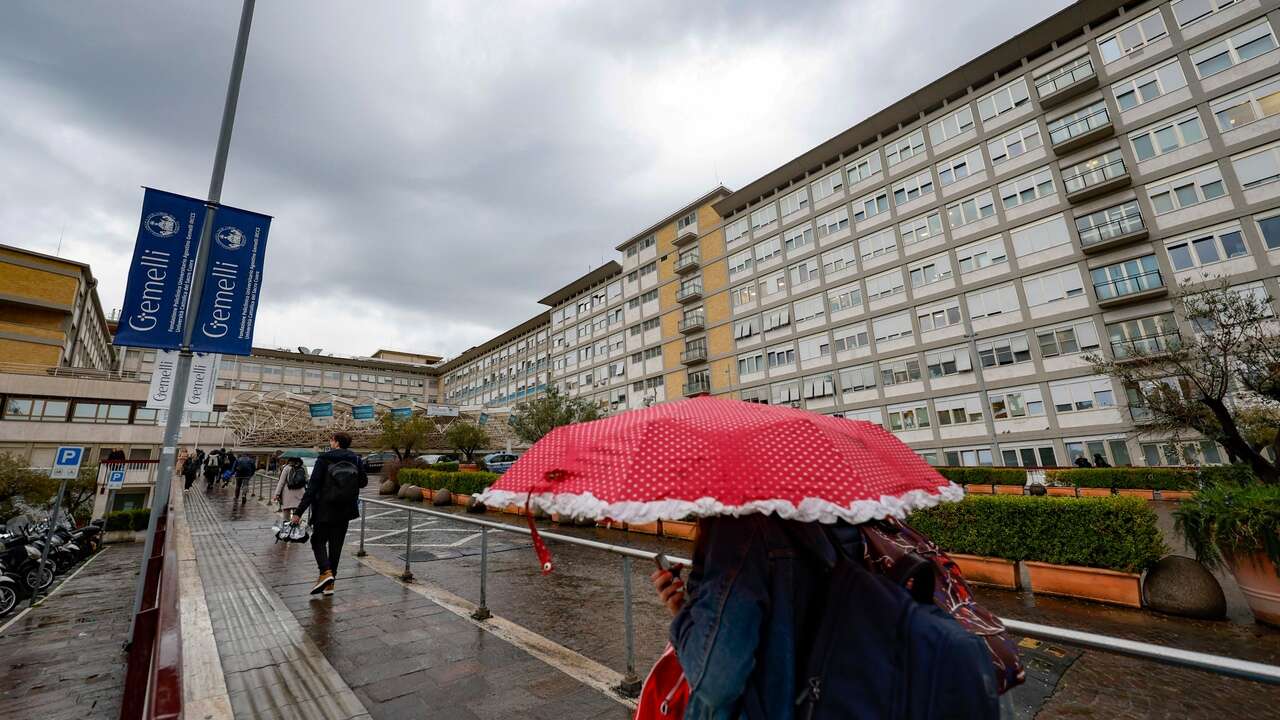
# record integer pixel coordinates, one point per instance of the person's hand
(295, 520)
(275, 499)
(670, 589)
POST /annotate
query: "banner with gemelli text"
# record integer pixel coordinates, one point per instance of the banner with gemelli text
(232, 282)
(160, 273)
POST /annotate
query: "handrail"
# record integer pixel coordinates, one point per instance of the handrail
(1121, 223)
(1069, 69)
(1232, 667)
(1082, 180)
(1054, 138)
(153, 676)
(1138, 281)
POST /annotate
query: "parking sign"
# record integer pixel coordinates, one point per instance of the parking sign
(66, 463)
(115, 480)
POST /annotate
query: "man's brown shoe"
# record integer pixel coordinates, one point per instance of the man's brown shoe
(325, 581)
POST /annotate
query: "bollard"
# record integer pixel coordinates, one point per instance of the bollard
(630, 686)
(361, 552)
(407, 575)
(482, 612)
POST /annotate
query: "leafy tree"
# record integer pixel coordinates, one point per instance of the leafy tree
(466, 438)
(1221, 381)
(18, 484)
(80, 492)
(402, 435)
(533, 419)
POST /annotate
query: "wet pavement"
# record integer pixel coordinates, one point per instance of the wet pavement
(64, 658)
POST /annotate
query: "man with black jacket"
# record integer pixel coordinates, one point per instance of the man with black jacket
(333, 493)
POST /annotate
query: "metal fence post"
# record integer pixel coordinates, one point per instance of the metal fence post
(630, 686)
(361, 552)
(482, 612)
(407, 575)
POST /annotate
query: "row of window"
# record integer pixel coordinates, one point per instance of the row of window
(106, 412)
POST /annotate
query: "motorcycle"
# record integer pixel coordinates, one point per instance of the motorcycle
(9, 591)
(22, 561)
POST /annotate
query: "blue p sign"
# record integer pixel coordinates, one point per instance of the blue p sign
(115, 480)
(66, 462)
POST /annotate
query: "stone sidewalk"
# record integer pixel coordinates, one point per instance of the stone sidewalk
(65, 658)
(376, 646)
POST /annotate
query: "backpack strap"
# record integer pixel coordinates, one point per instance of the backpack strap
(916, 574)
(831, 552)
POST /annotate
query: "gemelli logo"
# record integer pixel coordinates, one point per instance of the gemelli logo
(230, 238)
(161, 224)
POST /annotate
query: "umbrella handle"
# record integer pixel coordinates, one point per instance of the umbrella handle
(540, 547)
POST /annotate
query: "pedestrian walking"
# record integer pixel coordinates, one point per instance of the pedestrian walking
(289, 490)
(244, 469)
(332, 494)
(212, 465)
(190, 466)
(228, 462)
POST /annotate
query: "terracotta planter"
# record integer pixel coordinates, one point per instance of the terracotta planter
(461, 500)
(988, 571)
(1176, 494)
(653, 528)
(1010, 490)
(1058, 491)
(680, 529)
(1256, 576)
(512, 509)
(1106, 586)
(468, 467)
(1095, 492)
(1144, 494)
(978, 489)
(610, 523)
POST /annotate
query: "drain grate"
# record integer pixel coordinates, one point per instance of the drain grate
(1046, 663)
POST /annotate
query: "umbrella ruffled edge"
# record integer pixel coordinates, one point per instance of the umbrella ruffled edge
(812, 509)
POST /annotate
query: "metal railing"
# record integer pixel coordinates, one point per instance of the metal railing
(153, 673)
(687, 261)
(1221, 665)
(81, 373)
(694, 354)
(1086, 177)
(697, 387)
(689, 322)
(1144, 345)
(1130, 285)
(1124, 225)
(1065, 76)
(1059, 134)
(689, 291)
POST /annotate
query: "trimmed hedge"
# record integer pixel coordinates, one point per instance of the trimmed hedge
(445, 467)
(1140, 478)
(1215, 475)
(1115, 533)
(984, 475)
(136, 519)
(455, 482)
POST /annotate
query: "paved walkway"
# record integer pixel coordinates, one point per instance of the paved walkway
(64, 658)
(378, 648)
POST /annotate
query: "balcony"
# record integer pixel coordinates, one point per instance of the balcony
(1133, 288)
(1070, 80)
(693, 323)
(1145, 346)
(689, 292)
(1123, 230)
(686, 235)
(694, 354)
(1080, 129)
(687, 262)
(1095, 177)
(697, 385)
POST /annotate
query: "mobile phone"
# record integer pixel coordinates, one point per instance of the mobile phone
(665, 564)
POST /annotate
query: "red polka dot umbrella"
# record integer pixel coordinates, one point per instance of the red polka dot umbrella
(712, 456)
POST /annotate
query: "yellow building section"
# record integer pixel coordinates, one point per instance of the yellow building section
(36, 284)
(715, 276)
(720, 340)
(667, 297)
(35, 318)
(671, 353)
(675, 384)
(722, 374)
(717, 307)
(711, 245)
(671, 324)
(29, 353)
(666, 237)
(35, 332)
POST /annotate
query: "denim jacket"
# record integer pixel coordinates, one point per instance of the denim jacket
(749, 594)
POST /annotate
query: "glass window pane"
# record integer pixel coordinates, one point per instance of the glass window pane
(1143, 148)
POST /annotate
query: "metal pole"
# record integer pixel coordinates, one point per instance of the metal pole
(361, 552)
(482, 612)
(182, 373)
(407, 575)
(630, 686)
(48, 541)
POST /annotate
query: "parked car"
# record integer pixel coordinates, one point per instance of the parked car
(432, 459)
(374, 461)
(499, 462)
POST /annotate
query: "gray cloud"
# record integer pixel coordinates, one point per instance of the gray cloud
(434, 168)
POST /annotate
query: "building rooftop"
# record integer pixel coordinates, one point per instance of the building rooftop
(591, 279)
(717, 192)
(471, 353)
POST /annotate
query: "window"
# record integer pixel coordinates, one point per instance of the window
(647, 242)
(972, 457)
(991, 301)
(958, 122)
(109, 413)
(1052, 286)
(1016, 403)
(809, 308)
(1134, 36)
(1149, 85)
(687, 220)
(872, 415)
(1254, 103)
(877, 244)
(764, 216)
(921, 228)
(772, 287)
(751, 364)
(737, 230)
(651, 324)
(755, 395)
(904, 148)
(863, 168)
(1032, 186)
(1269, 227)
(746, 328)
(1189, 11)
(1070, 338)
(1003, 100)
(948, 361)
(854, 379)
(777, 318)
(1186, 190)
(795, 202)
(1126, 278)
(36, 409)
(652, 353)
(1206, 248)
(649, 269)
(818, 386)
(799, 239)
(1038, 236)
(1234, 48)
(1064, 75)
(1204, 452)
(1143, 336)
(1258, 168)
(1111, 222)
(913, 188)
(971, 209)
(1013, 144)
(763, 251)
(846, 297)
(1166, 136)
(743, 295)
(1078, 123)
(827, 186)
(781, 356)
(1082, 394)
(785, 393)
(930, 271)
(648, 296)
(899, 370)
(936, 317)
(959, 167)
(885, 284)
(892, 327)
(814, 347)
(850, 337)
(839, 260)
(983, 253)
(909, 417)
(740, 264)
(833, 222)
(958, 410)
(871, 205)
(803, 272)
(1004, 350)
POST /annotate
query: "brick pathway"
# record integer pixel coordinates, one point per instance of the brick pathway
(64, 659)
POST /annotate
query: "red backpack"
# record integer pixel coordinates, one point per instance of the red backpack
(666, 691)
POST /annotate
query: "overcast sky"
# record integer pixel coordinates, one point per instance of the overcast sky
(436, 167)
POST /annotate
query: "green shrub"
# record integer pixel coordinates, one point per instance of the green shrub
(457, 482)
(1215, 475)
(445, 466)
(141, 518)
(1230, 518)
(1116, 533)
(984, 475)
(1140, 478)
(119, 520)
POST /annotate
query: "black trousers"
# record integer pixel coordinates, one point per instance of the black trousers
(188, 480)
(240, 482)
(326, 543)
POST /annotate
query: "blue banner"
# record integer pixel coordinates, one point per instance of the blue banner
(160, 274)
(361, 412)
(321, 409)
(401, 412)
(232, 281)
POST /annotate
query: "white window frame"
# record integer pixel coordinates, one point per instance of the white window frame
(809, 308)
(1177, 125)
(1027, 138)
(1015, 94)
(953, 125)
(1250, 97)
(936, 316)
(942, 270)
(1214, 6)
(840, 259)
(904, 148)
(863, 168)
(1034, 182)
(912, 227)
(979, 201)
(1146, 33)
(764, 215)
(794, 202)
(1165, 78)
(1267, 154)
(960, 166)
(912, 188)
(1199, 178)
(1197, 242)
(1013, 344)
(991, 301)
(1082, 394)
(877, 200)
(1017, 402)
(1084, 334)
(741, 264)
(1062, 283)
(850, 337)
(981, 254)
(825, 187)
(833, 222)
(802, 232)
(892, 327)
(765, 250)
(1228, 42)
(885, 284)
(1026, 237)
(877, 244)
(845, 297)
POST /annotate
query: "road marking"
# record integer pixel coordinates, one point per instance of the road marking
(55, 590)
(367, 540)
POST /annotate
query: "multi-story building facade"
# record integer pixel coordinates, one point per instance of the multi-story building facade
(50, 315)
(589, 342)
(944, 267)
(512, 367)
